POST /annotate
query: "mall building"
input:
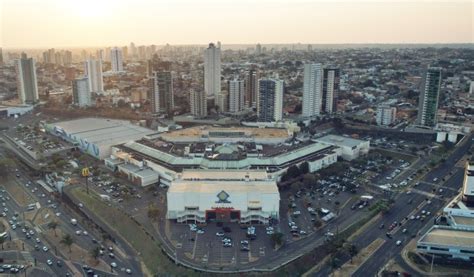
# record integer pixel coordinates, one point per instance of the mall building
(243, 196)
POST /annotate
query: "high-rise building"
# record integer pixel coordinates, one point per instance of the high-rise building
(471, 88)
(429, 97)
(312, 89)
(161, 92)
(27, 85)
(330, 91)
(116, 59)
(222, 101)
(386, 115)
(270, 100)
(81, 95)
(125, 53)
(93, 70)
(198, 102)
(236, 95)
(67, 58)
(212, 71)
(251, 88)
(1, 56)
(258, 49)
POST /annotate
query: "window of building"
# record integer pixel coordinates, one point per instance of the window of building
(254, 208)
(191, 208)
(467, 251)
(439, 249)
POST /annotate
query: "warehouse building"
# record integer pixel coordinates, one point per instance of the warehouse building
(96, 136)
(243, 196)
(350, 148)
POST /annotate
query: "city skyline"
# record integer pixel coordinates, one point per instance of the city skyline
(177, 22)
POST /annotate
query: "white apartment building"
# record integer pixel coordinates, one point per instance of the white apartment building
(386, 115)
(81, 95)
(236, 96)
(312, 89)
(93, 71)
(116, 59)
(212, 71)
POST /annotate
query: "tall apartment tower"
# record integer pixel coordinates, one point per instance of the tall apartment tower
(93, 71)
(161, 92)
(251, 87)
(330, 89)
(1, 56)
(429, 97)
(312, 89)
(236, 95)
(386, 115)
(212, 71)
(81, 95)
(198, 103)
(270, 103)
(116, 59)
(27, 85)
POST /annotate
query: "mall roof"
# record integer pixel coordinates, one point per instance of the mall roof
(213, 187)
(223, 174)
(449, 237)
(101, 130)
(340, 140)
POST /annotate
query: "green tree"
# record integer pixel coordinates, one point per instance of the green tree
(68, 241)
(153, 212)
(309, 179)
(293, 171)
(304, 168)
(95, 252)
(2, 240)
(53, 225)
(351, 249)
(276, 238)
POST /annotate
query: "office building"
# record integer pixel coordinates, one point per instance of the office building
(212, 71)
(116, 59)
(1, 56)
(93, 71)
(471, 88)
(386, 115)
(81, 95)
(27, 84)
(198, 102)
(312, 89)
(330, 90)
(236, 95)
(429, 97)
(270, 100)
(161, 92)
(251, 88)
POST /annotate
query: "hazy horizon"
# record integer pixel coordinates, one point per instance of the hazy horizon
(39, 24)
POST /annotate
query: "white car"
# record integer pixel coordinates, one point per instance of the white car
(128, 271)
(199, 231)
(220, 234)
(45, 249)
(113, 264)
(78, 232)
(49, 262)
(399, 242)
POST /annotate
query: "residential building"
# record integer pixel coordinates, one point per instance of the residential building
(27, 84)
(330, 90)
(312, 89)
(251, 87)
(429, 97)
(270, 100)
(471, 88)
(81, 95)
(198, 102)
(236, 95)
(212, 71)
(93, 71)
(116, 59)
(161, 92)
(386, 115)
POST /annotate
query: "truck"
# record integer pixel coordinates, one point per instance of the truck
(73, 221)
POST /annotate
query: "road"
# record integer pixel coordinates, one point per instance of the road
(401, 211)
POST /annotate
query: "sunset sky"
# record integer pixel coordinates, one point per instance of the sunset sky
(69, 23)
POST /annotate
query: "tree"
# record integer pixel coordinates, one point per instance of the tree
(153, 212)
(2, 240)
(309, 179)
(95, 252)
(351, 249)
(293, 171)
(277, 238)
(68, 241)
(296, 186)
(304, 168)
(53, 225)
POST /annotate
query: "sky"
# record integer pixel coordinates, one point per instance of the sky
(81, 23)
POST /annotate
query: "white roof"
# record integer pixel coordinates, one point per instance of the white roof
(340, 140)
(214, 187)
(223, 174)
